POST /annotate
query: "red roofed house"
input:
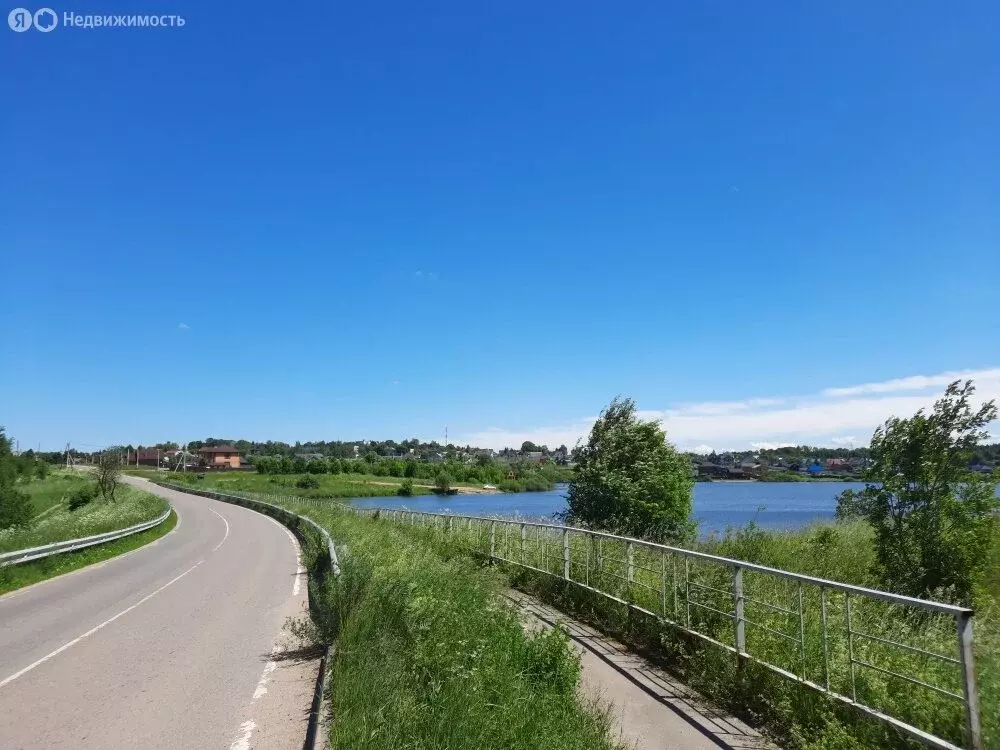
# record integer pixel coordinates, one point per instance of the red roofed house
(220, 457)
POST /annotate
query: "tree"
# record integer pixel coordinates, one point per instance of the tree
(529, 447)
(411, 469)
(108, 470)
(15, 506)
(442, 482)
(933, 518)
(630, 480)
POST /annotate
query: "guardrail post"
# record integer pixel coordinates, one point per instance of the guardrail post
(566, 570)
(973, 730)
(524, 532)
(493, 540)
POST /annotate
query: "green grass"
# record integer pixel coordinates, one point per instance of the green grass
(54, 489)
(132, 506)
(17, 576)
(428, 655)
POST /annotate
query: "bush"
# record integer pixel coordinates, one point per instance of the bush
(82, 496)
(410, 470)
(15, 507)
(307, 483)
(442, 482)
(406, 488)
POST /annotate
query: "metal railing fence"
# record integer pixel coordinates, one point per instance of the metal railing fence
(829, 636)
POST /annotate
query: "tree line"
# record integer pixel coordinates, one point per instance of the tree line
(483, 470)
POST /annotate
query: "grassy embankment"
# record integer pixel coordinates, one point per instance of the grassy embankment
(796, 715)
(55, 522)
(428, 655)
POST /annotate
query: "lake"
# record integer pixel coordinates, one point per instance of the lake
(717, 505)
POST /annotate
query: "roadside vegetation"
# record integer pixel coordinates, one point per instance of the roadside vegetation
(429, 655)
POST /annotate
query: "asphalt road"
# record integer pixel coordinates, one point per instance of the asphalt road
(170, 646)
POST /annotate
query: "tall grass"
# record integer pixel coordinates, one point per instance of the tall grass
(428, 655)
(132, 506)
(54, 489)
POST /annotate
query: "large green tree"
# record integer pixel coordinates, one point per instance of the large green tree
(933, 518)
(15, 506)
(630, 480)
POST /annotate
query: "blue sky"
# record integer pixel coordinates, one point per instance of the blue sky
(374, 220)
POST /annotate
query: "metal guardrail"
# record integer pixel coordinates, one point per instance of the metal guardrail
(793, 615)
(69, 545)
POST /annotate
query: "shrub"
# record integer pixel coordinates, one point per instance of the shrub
(442, 482)
(82, 496)
(406, 488)
(15, 507)
(307, 483)
(410, 470)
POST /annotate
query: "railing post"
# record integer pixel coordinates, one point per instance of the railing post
(630, 562)
(493, 540)
(741, 624)
(565, 541)
(826, 650)
(973, 730)
(524, 532)
(850, 646)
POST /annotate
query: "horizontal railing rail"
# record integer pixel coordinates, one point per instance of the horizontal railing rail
(69, 545)
(818, 624)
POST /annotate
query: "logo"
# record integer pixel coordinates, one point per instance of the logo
(19, 19)
(46, 19)
(22, 19)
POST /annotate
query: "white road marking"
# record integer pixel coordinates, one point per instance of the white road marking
(110, 620)
(226, 536)
(247, 727)
(93, 630)
(243, 742)
(299, 569)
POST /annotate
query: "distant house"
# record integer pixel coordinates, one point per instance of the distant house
(534, 457)
(220, 457)
(838, 464)
(981, 467)
(310, 456)
(436, 458)
(815, 469)
(144, 457)
(712, 471)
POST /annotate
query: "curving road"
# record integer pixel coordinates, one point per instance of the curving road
(174, 645)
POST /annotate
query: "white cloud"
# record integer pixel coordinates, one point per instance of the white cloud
(183, 326)
(847, 441)
(768, 446)
(702, 449)
(914, 383)
(834, 416)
